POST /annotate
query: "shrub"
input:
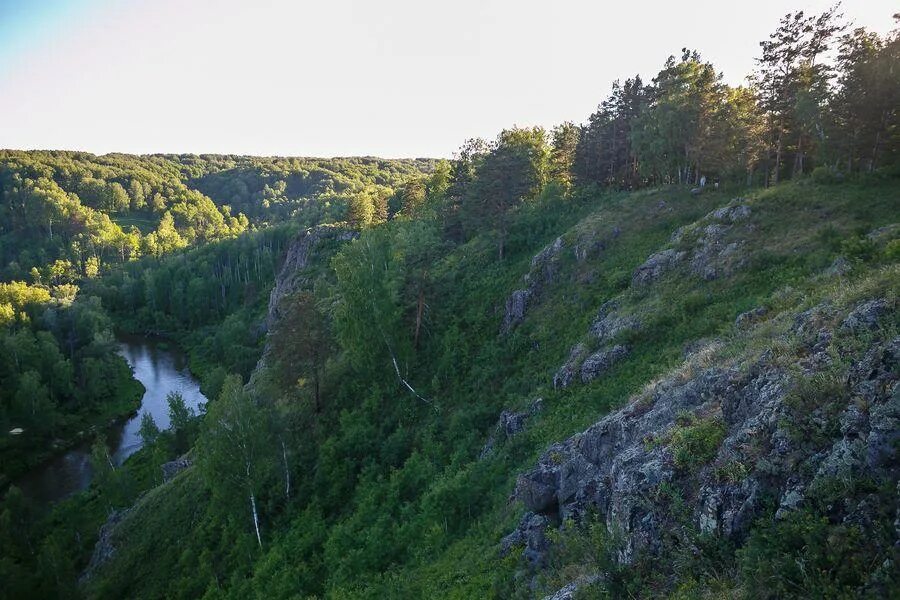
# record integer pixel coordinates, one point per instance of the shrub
(696, 443)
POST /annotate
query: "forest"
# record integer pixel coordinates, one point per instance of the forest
(368, 423)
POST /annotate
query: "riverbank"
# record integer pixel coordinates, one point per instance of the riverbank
(28, 450)
(157, 370)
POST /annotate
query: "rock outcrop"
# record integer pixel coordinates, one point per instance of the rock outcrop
(749, 415)
(174, 467)
(544, 270)
(586, 366)
(104, 549)
(510, 423)
(708, 253)
(291, 277)
(601, 361)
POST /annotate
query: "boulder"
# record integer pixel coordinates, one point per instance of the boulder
(656, 266)
(865, 316)
(601, 361)
(174, 467)
(567, 373)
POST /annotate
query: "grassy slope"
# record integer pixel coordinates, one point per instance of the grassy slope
(442, 541)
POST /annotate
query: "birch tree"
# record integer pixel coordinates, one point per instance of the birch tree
(235, 451)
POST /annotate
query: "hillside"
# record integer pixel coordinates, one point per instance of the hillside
(716, 320)
(654, 354)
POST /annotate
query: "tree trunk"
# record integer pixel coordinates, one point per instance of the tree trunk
(875, 151)
(255, 519)
(778, 149)
(287, 472)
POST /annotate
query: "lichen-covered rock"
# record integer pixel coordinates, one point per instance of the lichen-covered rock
(746, 319)
(570, 590)
(601, 361)
(531, 533)
(656, 266)
(736, 211)
(510, 423)
(567, 373)
(104, 549)
(615, 468)
(609, 323)
(865, 316)
(516, 305)
(544, 270)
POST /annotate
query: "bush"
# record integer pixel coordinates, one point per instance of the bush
(803, 556)
(696, 443)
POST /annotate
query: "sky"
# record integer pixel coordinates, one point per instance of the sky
(391, 78)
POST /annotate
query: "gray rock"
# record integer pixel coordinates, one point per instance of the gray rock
(568, 591)
(656, 266)
(840, 267)
(609, 324)
(516, 305)
(746, 319)
(734, 212)
(544, 270)
(531, 533)
(865, 316)
(616, 467)
(509, 424)
(567, 373)
(174, 467)
(601, 361)
(105, 548)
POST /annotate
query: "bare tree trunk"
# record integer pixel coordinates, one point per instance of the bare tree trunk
(287, 472)
(255, 519)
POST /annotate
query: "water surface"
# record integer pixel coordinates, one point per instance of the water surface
(161, 370)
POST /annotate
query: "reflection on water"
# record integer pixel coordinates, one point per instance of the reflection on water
(161, 371)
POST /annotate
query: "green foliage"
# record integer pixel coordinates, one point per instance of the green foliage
(805, 556)
(696, 441)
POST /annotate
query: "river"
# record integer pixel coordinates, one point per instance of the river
(161, 370)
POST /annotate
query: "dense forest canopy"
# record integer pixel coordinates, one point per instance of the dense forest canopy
(364, 432)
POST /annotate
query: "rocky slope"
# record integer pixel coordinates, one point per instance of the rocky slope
(792, 410)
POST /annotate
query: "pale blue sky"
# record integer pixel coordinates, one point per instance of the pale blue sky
(345, 77)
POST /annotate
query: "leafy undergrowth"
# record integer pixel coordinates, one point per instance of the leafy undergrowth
(391, 498)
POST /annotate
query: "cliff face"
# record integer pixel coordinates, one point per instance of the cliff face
(308, 252)
(294, 273)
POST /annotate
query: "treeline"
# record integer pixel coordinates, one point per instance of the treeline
(823, 102)
(64, 216)
(78, 213)
(308, 190)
